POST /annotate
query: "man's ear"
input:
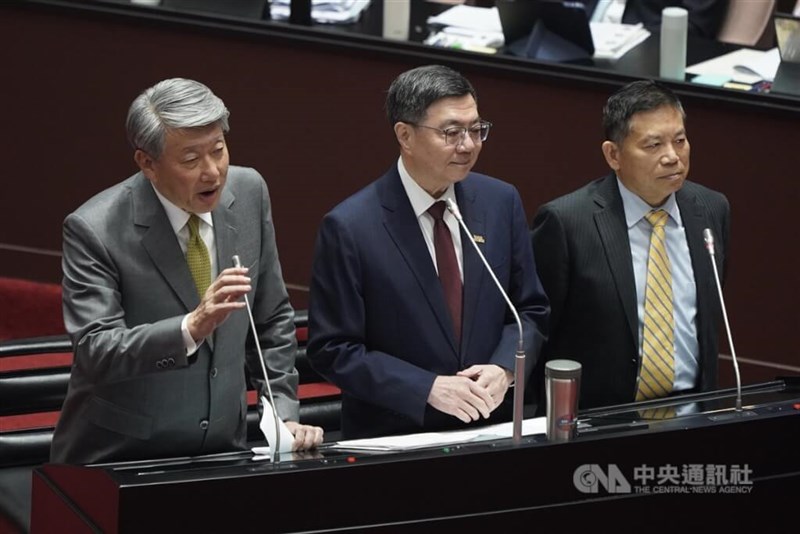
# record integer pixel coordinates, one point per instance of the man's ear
(611, 153)
(404, 134)
(145, 163)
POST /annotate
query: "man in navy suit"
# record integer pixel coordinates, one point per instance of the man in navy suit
(382, 321)
(592, 246)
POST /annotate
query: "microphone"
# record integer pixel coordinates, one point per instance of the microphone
(709, 239)
(519, 361)
(276, 451)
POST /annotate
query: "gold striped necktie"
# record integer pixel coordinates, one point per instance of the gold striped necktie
(657, 372)
(197, 257)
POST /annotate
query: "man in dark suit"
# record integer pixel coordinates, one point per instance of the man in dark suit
(592, 250)
(705, 16)
(161, 348)
(411, 349)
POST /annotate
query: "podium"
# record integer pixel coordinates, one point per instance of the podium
(706, 465)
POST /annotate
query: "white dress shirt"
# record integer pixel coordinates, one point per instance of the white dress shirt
(420, 202)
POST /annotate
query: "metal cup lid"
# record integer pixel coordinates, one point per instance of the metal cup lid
(567, 369)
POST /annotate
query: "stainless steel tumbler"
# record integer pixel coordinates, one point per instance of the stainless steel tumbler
(562, 390)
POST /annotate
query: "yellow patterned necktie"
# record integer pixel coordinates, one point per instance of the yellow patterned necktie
(197, 257)
(657, 372)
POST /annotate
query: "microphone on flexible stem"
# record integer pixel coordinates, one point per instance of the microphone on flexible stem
(276, 452)
(709, 239)
(519, 361)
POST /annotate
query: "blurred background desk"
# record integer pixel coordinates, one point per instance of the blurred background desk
(307, 111)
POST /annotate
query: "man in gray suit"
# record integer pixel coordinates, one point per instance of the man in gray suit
(592, 249)
(161, 362)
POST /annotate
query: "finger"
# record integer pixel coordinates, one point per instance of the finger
(299, 439)
(232, 292)
(311, 436)
(314, 437)
(241, 271)
(470, 372)
(472, 413)
(318, 435)
(481, 390)
(482, 401)
(463, 416)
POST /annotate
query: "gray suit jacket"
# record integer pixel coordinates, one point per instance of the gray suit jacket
(133, 393)
(583, 257)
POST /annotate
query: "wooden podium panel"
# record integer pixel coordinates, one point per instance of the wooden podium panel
(491, 485)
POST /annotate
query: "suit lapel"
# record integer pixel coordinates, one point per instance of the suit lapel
(694, 221)
(474, 270)
(161, 243)
(404, 230)
(610, 222)
(225, 226)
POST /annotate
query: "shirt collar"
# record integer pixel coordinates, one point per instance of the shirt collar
(420, 199)
(636, 208)
(178, 217)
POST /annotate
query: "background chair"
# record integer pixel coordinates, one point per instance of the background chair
(749, 23)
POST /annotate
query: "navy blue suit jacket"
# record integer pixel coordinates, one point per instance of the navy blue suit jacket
(378, 321)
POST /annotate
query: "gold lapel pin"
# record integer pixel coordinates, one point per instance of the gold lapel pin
(479, 238)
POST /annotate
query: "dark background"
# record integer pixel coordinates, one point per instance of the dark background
(307, 112)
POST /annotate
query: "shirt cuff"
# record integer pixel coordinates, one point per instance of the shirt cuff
(188, 341)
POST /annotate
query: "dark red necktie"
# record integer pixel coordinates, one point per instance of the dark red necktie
(447, 263)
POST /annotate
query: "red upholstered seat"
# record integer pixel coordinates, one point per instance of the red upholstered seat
(30, 309)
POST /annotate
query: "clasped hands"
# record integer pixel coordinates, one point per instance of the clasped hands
(472, 393)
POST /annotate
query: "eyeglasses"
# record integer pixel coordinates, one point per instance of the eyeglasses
(455, 135)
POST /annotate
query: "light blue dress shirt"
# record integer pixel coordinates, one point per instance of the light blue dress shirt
(684, 290)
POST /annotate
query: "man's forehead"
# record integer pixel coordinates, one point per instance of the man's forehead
(647, 124)
(185, 138)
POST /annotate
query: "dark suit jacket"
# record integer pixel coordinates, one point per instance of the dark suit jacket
(584, 261)
(133, 393)
(378, 322)
(705, 16)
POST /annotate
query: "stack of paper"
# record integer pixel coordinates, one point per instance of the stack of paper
(612, 41)
(439, 439)
(323, 11)
(467, 27)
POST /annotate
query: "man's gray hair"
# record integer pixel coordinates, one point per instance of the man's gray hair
(172, 104)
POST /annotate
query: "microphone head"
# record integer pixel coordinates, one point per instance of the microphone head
(452, 208)
(709, 239)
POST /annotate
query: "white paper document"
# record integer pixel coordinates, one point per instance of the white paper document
(744, 65)
(467, 27)
(267, 426)
(479, 19)
(438, 439)
(612, 41)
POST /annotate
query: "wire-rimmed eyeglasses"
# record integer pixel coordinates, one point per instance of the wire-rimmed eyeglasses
(455, 135)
